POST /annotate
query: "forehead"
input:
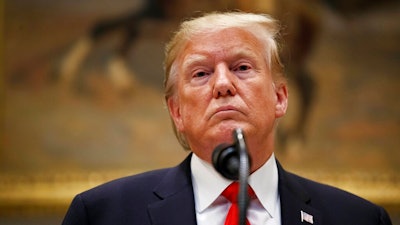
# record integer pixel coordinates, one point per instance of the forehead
(222, 43)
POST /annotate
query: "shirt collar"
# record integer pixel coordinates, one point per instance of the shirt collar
(209, 184)
(264, 182)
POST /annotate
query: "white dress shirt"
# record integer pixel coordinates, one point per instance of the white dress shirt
(211, 207)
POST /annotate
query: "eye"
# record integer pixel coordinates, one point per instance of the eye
(242, 67)
(200, 74)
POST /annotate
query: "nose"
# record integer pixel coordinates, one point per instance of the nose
(224, 82)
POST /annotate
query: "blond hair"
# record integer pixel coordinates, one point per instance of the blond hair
(262, 26)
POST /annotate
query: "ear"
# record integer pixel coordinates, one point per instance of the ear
(174, 111)
(281, 100)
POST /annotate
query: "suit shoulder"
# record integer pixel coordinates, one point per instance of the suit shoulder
(338, 204)
(138, 183)
(320, 190)
(108, 202)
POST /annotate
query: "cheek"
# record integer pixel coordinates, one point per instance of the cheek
(195, 98)
(190, 110)
(263, 100)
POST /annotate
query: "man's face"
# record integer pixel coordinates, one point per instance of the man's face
(223, 82)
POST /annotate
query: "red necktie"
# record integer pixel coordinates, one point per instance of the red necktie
(231, 193)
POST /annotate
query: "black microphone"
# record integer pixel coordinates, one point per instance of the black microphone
(225, 159)
(233, 162)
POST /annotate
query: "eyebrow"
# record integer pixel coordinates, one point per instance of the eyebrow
(235, 53)
(192, 59)
(243, 53)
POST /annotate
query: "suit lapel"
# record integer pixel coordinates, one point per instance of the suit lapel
(176, 205)
(295, 202)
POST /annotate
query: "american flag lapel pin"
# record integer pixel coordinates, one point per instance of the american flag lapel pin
(305, 217)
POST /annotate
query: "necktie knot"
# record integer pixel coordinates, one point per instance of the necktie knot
(231, 192)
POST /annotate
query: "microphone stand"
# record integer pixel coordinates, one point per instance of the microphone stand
(233, 162)
(244, 164)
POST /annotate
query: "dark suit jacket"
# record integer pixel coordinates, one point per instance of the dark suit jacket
(166, 197)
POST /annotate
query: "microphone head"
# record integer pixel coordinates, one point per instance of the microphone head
(225, 159)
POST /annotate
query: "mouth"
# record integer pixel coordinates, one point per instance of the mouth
(226, 111)
(226, 108)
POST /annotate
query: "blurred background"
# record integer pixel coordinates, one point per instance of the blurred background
(81, 96)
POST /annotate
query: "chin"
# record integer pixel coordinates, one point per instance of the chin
(224, 133)
(227, 127)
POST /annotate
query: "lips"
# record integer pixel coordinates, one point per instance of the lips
(226, 108)
(227, 111)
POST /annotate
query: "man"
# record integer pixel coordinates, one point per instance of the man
(222, 72)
